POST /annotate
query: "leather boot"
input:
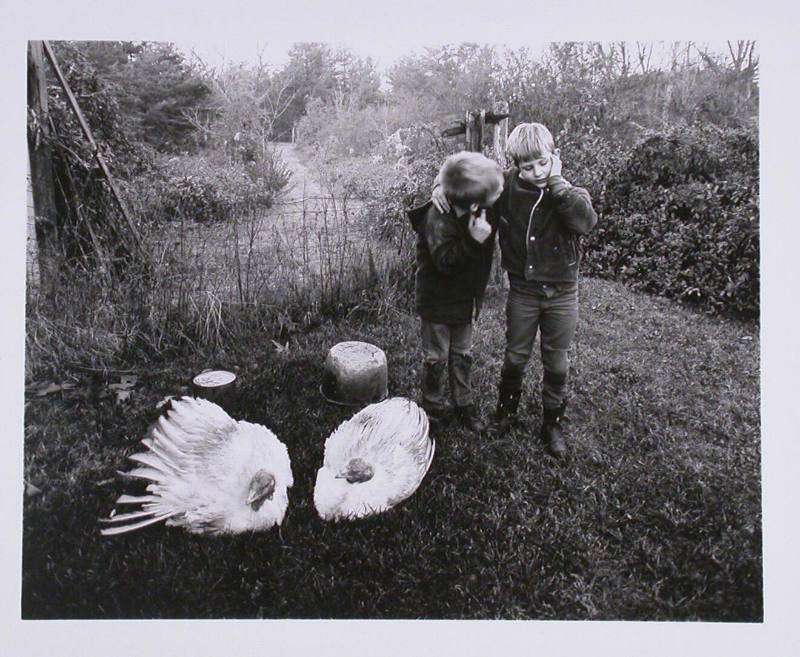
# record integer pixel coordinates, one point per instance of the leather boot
(436, 420)
(552, 431)
(468, 417)
(433, 386)
(507, 405)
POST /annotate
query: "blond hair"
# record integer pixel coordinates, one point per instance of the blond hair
(529, 141)
(468, 177)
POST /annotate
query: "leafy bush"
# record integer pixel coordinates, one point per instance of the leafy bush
(199, 188)
(680, 218)
(391, 182)
(344, 130)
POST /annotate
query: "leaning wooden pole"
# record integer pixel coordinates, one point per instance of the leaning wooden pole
(73, 103)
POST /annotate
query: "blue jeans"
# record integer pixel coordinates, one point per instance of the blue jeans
(446, 351)
(553, 310)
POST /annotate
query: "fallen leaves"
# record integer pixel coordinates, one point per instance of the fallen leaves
(120, 391)
(44, 388)
(280, 348)
(123, 389)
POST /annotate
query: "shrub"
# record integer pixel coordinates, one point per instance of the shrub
(84, 224)
(199, 188)
(389, 185)
(680, 218)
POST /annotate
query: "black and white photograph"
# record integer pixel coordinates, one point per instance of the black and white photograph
(343, 326)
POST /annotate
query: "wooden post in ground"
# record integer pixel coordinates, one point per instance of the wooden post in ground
(468, 130)
(473, 127)
(39, 159)
(500, 133)
(32, 248)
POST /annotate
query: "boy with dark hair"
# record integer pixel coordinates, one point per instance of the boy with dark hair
(540, 218)
(454, 256)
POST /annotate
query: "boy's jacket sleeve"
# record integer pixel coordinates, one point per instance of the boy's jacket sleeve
(573, 205)
(417, 215)
(450, 247)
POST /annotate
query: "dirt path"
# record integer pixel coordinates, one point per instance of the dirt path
(308, 227)
(303, 185)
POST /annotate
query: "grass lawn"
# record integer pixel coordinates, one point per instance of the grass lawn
(656, 514)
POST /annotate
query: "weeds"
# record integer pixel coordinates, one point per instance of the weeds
(209, 286)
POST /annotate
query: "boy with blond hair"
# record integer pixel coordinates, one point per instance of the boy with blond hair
(454, 257)
(540, 217)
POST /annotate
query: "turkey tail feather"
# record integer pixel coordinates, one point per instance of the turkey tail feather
(163, 452)
(112, 531)
(431, 452)
(153, 461)
(137, 499)
(124, 517)
(144, 473)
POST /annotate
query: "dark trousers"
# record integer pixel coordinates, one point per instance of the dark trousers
(446, 352)
(552, 310)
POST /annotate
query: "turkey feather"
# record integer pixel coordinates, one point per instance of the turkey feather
(113, 531)
(136, 499)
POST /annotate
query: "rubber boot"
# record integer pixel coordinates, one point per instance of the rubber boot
(552, 431)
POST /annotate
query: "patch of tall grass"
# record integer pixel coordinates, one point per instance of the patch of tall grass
(212, 287)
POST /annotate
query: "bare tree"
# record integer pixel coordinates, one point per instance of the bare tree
(742, 57)
(624, 59)
(644, 53)
(247, 101)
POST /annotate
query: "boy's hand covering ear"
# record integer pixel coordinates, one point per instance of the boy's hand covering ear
(439, 199)
(555, 164)
(478, 227)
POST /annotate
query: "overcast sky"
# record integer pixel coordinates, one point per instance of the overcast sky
(236, 30)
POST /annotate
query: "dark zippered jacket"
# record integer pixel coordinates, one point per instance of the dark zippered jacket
(539, 229)
(452, 268)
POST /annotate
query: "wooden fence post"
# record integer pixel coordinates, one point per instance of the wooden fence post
(32, 248)
(473, 127)
(500, 134)
(40, 162)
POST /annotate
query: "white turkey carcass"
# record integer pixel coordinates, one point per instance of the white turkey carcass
(374, 460)
(208, 474)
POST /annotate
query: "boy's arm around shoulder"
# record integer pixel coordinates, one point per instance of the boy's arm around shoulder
(573, 205)
(450, 246)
